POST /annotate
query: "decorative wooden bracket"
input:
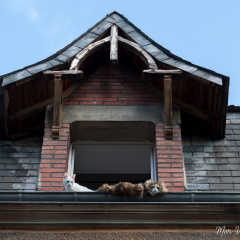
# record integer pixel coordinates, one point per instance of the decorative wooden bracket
(57, 106)
(114, 44)
(57, 98)
(168, 115)
(168, 118)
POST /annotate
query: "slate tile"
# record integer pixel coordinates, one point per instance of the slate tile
(31, 179)
(189, 167)
(102, 27)
(208, 76)
(223, 142)
(191, 180)
(5, 186)
(236, 173)
(85, 40)
(209, 149)
(232, 137)
(15, 77)
(229, 167)
(21, 173)
(203, 154)
(227, 154)
(39, 67)
(18, 186)
(125, 27)
(6, 173)
(220, 149)
(219, 173)
(208, 180)
(234, 161)
(193, 186)
(196, 173)
(236, 186)
(13, 179)
(230, 180)
(187, 148)
(199, 167)
(114, 18)
(156, 52)
(235, 121)
(139, 38)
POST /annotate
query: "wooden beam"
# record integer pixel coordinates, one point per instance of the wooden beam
(6, 109)
(162, 71)
(137, 49)
(187, 107)
(168, 117)
(29, 111)
(66, 73)
(57, 106)
(114, 45)
(82, 55)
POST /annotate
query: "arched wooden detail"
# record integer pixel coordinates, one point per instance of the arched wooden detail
(90, 49)
(137, 49)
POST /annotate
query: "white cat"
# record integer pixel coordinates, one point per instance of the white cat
(71, 186)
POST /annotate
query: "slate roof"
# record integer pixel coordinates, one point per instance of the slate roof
(214, 165)
(156, 50)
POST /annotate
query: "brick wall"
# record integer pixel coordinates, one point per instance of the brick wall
(113, 85)
(214, 165)
(169, 159)
(19, 164)
(54, 159)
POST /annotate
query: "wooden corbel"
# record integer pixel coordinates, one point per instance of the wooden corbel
(168, 116)
(57, 106)
(168, 99)
(57, 98)
(114, 45)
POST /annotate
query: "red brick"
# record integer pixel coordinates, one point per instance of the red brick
(83, 99)
(59, 165)
(97, 95)
(121, 95)
(171, 170)
(51, 170)
(116, 103)
(71, 103)
(60, 156)
(173, 179)
(176, 189)
(53, 143)
(43, 156)
(107, 99)
(164, 174)
(44, 175)
(51, 179)
(47, 147)
(60, 147)
(54, 152)
(178, 175)
(130, 99)
(45, 166)
(45, 184)
(169, 160)
(164, 166)
(57, 184)
(57, 175)
(178, 184)
(177, 165)
(108, 91)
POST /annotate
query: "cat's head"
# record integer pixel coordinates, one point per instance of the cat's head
(68, 181)
(154, 187)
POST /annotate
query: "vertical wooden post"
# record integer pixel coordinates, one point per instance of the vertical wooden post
(114, 44)
(57, 106)
(168, 107)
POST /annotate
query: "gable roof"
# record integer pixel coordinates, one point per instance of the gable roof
(156, 50)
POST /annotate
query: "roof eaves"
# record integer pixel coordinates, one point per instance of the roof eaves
(156, 50)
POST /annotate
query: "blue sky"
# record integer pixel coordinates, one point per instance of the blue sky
(204, 32)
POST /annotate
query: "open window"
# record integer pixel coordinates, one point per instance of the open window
(109, 152)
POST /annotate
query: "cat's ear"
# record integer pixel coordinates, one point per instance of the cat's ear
(73, 176)
(65, 175)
